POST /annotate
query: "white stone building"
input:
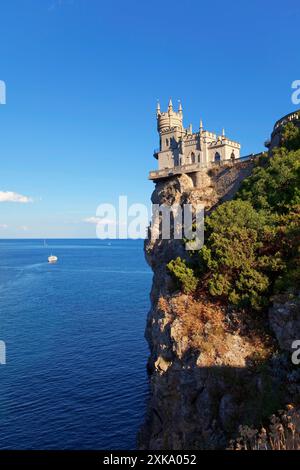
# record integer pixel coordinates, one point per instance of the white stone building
(184, 149)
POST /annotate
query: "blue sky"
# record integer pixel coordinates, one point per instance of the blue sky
(83, 77)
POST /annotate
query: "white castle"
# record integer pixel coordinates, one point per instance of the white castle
(184, 151)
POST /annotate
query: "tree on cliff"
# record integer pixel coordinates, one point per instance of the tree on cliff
(291, 137)
(276, 187)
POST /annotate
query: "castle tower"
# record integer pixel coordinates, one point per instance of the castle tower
(170, 129)
(170, 119)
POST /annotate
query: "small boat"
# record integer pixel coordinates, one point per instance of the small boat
(52, 259)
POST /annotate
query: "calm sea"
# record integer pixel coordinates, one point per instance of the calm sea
(75, 376)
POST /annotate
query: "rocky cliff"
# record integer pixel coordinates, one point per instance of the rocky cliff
(212, 368)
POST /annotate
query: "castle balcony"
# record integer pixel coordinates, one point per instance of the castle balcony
(155, 153)
(194, 167)
(176, 170)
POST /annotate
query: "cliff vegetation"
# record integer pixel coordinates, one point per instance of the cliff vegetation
(251, 249)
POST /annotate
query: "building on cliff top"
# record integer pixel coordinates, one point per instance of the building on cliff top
(276, 135)
(185, 151)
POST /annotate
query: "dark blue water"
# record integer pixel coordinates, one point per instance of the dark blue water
(75, 376)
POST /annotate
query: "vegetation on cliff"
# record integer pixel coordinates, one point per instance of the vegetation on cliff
(184, 276)
(252, 243)
(281, 433)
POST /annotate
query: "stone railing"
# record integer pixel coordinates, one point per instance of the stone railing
(194, 167)
(190, 142)
(288, 118)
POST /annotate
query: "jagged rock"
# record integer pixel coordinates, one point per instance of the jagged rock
(171, 191)
(285, 320)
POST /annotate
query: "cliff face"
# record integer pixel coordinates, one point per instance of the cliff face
(211, 368)
(285, 320)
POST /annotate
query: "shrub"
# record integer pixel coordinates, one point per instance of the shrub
(291, 136)
(233, 254)
(183, 275)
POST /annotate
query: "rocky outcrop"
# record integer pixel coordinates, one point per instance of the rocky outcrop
(284, 316)
(211, 368)
(285, 320)
(204, 381)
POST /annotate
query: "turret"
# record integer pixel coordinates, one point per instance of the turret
(180, 109)
(170, 119)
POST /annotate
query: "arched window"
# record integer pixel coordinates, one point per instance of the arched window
(193, 158)
(167, 142)
(217, 157)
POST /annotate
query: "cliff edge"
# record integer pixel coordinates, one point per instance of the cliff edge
(212, 366)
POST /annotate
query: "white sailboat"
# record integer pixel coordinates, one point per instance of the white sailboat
(51, 259)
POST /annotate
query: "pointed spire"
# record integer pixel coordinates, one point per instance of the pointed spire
(179, 106)
(201, 125)
(223, 132)
(158, 108)
(170, 107)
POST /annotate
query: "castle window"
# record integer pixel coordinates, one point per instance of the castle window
(199, 158)
(217, 157)
(167, 142)
(193, 158)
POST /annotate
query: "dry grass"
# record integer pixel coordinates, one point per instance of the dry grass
(282, 433)
(198, 318)
(202, 325)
